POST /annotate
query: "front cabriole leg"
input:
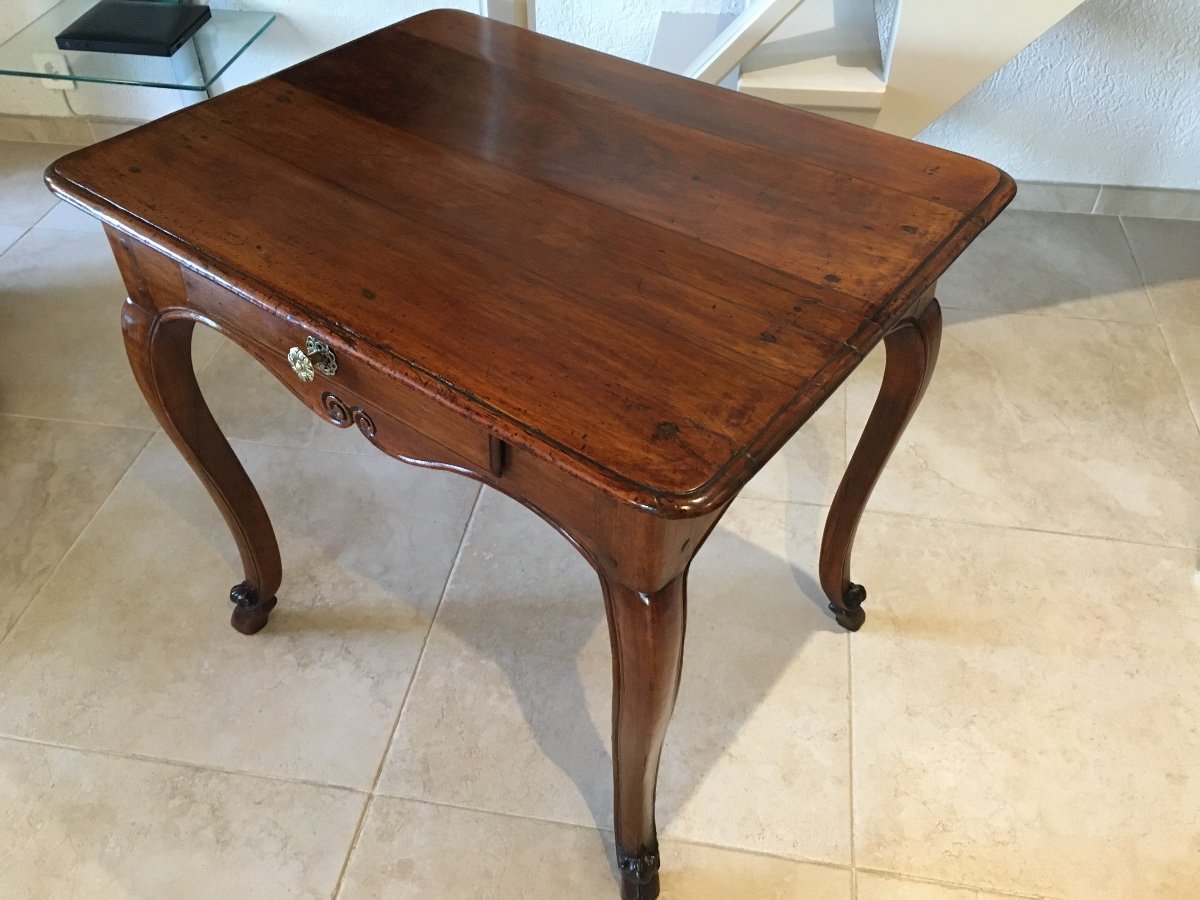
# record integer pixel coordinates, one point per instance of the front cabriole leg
(159, 344)
(646, 630)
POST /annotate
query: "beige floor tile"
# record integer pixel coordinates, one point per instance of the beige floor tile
(104, 129)
(1168, 253)
(251, 404)
(418, 850)
(24, 197)
(53, 478)
(1184, 344)
(128, 648)
(9, 235)
(65, 217)
(1066, 425)
(510, 709)
(81, 825)
(875, 886)
(810, 465)
(1052, 264)
(72, 130)
(60, 312)
(695, 872)
(1025, 714)
(60, 308)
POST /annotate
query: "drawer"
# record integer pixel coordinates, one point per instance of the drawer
(355, 387)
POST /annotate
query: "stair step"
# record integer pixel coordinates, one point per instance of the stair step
(825, 55)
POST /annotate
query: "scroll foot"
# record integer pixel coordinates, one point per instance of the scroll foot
(639, 876)
(851, 614)
(250, 613)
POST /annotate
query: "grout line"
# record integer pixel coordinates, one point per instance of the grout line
(365, 452)
(44, 215)
(362, 820)
(542, 820)
(763, 854)
(283, 779)
(20, 237)
(845, 427)
(14, 415)
(995, 313)
(1194, 409)
(849, 663)
(921, 879)
(950, 521)
(177, 763)
(691, 842)
(44, 228)
(1138, 266)
(88, 524)
(224, 343)
(850, 741)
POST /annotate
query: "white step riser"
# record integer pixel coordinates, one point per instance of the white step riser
(827, 57)
(864, 117)
(942, 51)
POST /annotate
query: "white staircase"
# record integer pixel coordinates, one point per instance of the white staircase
(896, 65)
(825, 57)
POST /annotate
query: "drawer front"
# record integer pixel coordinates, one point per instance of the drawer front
(344, 389)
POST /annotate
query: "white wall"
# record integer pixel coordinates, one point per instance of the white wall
(886, 12)
(306, 27)
(1111, 95)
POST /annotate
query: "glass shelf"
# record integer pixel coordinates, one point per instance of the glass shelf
(194, 67)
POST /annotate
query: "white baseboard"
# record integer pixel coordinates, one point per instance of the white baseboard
(1108, 200)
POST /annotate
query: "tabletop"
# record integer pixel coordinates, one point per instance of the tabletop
(649, 280)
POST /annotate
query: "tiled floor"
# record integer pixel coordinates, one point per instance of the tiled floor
(426, 715)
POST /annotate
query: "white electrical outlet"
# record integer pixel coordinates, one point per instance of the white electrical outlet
(53, 64)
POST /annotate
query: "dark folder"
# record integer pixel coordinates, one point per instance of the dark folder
(134, 26)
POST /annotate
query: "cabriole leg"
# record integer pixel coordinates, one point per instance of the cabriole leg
(647, 646)
(160, 353)
(912, 349)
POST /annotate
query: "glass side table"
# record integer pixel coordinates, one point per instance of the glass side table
(31, 52)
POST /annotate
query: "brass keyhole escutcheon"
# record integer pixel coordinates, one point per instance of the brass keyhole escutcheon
(316, 357)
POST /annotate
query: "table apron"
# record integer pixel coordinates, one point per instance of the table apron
(627, 543)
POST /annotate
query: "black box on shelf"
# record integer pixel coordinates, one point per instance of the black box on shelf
(141, 27)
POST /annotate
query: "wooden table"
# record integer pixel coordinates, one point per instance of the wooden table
(609, 292)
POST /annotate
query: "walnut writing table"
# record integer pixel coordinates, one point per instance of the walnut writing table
(606, 291)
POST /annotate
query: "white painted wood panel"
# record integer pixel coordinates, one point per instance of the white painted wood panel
(942, 49)
(514, 12)
(746, 32)
(825, 54)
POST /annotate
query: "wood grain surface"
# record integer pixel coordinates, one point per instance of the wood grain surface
(640, 277)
